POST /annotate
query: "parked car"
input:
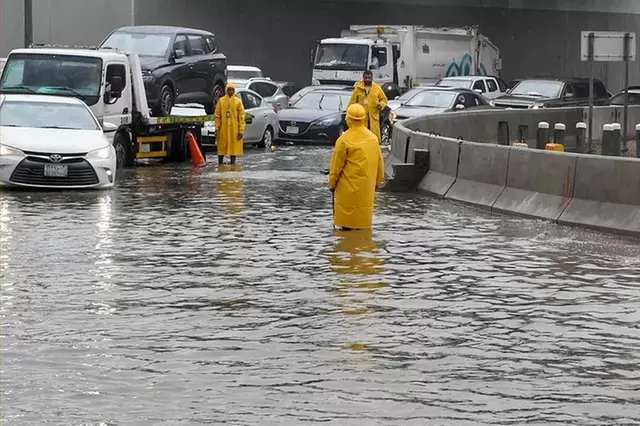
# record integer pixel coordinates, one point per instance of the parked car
(3, 61)
(550, 92)
(270, 92)
(288, 88)
(486, 86)
(53, 142)
(634, 97)
(260, 117)
(388, 117)
(318, 117)
(437, 100)
(179, 65)
(239, 75)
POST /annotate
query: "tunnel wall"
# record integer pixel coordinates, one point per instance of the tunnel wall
(278, 36)
(568, 188)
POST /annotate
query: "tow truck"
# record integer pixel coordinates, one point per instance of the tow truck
(110, 82)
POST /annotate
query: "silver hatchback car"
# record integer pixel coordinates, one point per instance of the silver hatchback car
(270, 91)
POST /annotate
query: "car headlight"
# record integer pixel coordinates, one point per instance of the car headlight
(327, 122)
(101, 154)
(146, 75)
(7, 151)
(392, 116)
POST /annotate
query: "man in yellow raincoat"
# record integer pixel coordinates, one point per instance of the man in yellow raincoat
(230, 125)
(371, 96)
(357, 171)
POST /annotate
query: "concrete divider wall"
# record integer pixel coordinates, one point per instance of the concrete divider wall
(539, 183)
(443, 165)
(482, 174)
(606, 195)
(398, 145)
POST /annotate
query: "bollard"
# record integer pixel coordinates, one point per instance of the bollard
(638, 140)
(581, 136)
(616, 140)
(559, 132)
(523, 129)
(543, 135)
(503, 133)
(607, 137)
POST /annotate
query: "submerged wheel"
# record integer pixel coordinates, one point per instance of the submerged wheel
(267, 138)
(124, 156)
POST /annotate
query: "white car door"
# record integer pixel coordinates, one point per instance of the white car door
(254, 129)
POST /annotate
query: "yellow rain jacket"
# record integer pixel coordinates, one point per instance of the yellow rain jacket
(373, 103)
(357, 170)
(229, 121)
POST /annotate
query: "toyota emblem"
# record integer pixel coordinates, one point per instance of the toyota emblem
(293, 124)
(56, 158)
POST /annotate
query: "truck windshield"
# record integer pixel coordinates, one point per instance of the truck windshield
(63, 75)
(155, 45)
(352, 57)
(538, 88)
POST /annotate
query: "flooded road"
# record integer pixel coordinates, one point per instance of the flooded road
(191, 297)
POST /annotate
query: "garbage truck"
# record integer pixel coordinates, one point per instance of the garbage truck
(403, 56)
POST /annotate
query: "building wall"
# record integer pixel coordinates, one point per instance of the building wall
(11, 25)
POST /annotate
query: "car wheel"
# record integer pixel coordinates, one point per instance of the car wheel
(122, 147)
(165, 104)
(267, 138)
(218, 92)
(385, 134)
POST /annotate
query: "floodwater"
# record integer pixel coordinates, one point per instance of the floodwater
(191, 297)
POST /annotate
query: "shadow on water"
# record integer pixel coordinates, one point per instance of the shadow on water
(186, 295)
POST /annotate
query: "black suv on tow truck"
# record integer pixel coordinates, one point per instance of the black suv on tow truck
(551, 92)
(179, 65)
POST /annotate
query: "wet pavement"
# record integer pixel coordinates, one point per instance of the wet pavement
(190, 297)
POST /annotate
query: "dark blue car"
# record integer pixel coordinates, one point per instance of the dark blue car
(318, 117)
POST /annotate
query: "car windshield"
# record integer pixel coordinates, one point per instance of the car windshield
(323, 101)
(65, 75)
(143, 44)
(45, 115)
(243, 74)
(342, 57)
(538, 88)
(461, 83)
(409, 94)
(432, 99)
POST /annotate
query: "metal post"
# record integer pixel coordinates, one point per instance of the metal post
(638, 140)
(543, 135)
(627, 60)
(503, 133)
(581, 134)
(28, 23)
(560, 130)
(592, 38)
(615, 139)
(607, 136)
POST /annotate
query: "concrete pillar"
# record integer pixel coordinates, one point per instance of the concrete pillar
(543, 135)
(581, 136)
(616, 139)
(607, 138)
(560, 130)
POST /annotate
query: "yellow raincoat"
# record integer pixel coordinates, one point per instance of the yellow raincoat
(373, 103)
(357, 170)
(229, 121)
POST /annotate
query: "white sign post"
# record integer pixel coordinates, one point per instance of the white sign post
(608, 46)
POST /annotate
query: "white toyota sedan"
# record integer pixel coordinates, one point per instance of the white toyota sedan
(53, 142)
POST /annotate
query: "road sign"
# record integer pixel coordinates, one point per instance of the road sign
(608, 46)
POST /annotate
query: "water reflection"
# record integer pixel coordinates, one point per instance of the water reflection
(230, 186)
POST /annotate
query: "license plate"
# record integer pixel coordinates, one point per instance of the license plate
(146, 147)
(292, 130)
(56, 170)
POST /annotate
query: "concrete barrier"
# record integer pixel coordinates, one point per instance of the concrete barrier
(443, 165)
(539, 184)
(399, 137)
(606, 195)
(482, 174)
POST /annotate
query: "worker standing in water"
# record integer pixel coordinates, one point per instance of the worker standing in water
(230, 125)
(370, 96)
(357, 171)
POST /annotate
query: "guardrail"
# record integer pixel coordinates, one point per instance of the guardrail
(467, 164)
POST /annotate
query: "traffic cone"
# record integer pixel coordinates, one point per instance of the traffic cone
(196, 155)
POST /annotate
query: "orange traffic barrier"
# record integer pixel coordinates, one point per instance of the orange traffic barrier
(196, 155)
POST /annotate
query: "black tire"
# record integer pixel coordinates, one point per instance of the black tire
(179, 147)
(267, 138)
(166, 102)
(218, 92)
(385, 133)
(124, 154)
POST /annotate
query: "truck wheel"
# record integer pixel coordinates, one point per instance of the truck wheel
(165, 104)
(124, 154)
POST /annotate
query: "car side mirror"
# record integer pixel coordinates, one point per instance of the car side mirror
(478, 91)
(109, 127)
(178, 53)
(568, 96)
(459, 107)
(396, 98)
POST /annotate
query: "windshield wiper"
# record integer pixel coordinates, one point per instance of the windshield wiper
(68, 89)
(58, 127)
(20, 87)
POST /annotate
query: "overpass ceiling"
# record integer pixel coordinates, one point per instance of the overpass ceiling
(611, 6)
